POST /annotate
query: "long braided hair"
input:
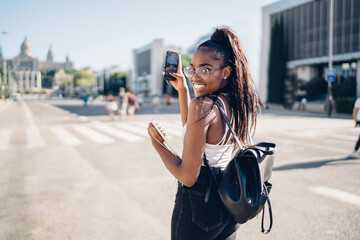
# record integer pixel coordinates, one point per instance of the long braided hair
(240, 88)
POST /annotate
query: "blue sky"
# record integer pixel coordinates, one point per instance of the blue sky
(99, 34)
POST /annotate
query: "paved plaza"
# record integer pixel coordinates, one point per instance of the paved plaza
(67, 176)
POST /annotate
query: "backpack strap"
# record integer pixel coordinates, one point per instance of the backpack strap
(262, 218)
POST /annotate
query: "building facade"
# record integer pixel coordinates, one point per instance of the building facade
(102, 80)
(305, 37)
(146, 76)
(23, 72)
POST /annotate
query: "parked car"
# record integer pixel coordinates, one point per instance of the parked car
(16, 96)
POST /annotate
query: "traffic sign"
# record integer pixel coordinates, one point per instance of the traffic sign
(330, 75)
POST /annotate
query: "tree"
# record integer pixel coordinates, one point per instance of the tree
(84, 78)
(277, 64)
(47, 78)
(117, 80)
(185, 60)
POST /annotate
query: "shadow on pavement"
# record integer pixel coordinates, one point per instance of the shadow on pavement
(315, 164)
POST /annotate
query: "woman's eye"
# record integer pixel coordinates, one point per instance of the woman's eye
(204, 70)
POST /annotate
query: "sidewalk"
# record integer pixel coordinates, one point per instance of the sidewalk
(313, 109)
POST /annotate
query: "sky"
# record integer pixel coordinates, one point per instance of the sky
(100, 34)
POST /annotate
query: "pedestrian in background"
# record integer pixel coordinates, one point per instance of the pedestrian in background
(303, 104)
(133, 104)
(85, 98)
(140, 98)
(356, 117)
(156, 103)
(169, 100)
(329, 105)
(111, 105)
(219, 71)
(123, 103)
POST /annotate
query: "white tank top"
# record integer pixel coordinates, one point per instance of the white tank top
(218, 154)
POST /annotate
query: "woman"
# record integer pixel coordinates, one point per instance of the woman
(111, 105)
(133, 103)
(219, 71)
(123, 102)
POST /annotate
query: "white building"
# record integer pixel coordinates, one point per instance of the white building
(23, 72)
(306, 39)
(147, 68)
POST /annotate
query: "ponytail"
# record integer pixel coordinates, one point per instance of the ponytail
(240, 89)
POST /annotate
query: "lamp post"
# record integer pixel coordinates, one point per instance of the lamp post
(3, 80)
(331, 32)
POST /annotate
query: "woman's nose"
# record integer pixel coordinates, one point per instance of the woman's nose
(196, 76)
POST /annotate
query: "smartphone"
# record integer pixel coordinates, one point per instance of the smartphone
(171, 65)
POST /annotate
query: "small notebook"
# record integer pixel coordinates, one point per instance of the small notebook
(166, 143)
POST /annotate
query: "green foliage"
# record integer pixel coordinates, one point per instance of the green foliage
(71, 71)
(84, 78)
(277, 65)
(346, 87)
(117, 80)
(345, 104)
(47, 78)
(316, 88)
(185, 60)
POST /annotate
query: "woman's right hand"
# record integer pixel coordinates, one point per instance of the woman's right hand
(180, 81)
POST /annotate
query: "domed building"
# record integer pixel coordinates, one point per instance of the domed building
(23, 72)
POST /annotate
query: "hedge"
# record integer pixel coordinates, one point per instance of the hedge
(345, 104)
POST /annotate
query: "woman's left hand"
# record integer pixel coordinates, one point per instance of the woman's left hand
(153, 133)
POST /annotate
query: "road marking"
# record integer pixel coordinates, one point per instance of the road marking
(34, 138)
(337, 194)
(4, 105)
(132, 128)
(65, 136)
(28, 115)
(117, 132)
(176, 125)
(93, 135)
(311, 145)
(4, 139)
(170, 130)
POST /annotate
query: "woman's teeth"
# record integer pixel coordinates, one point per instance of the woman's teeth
(198, 86)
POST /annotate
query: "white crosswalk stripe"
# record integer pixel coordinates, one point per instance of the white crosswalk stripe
(93, 135)
(133, 128)
(4, 139)
(34, 137)
(337, 194)
(65, 136)
(171, 129)
(117, 132)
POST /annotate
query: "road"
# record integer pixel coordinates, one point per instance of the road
(66, 176)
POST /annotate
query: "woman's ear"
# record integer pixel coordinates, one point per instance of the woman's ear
(226, 72)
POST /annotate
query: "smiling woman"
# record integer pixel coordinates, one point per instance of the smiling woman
(218, 71)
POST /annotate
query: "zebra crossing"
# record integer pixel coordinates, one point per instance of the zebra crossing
(96, 132)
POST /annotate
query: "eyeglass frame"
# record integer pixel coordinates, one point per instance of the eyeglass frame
(210, 71)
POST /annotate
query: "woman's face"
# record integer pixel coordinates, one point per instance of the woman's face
(217, 78)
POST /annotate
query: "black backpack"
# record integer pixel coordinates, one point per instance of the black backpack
(244, 188)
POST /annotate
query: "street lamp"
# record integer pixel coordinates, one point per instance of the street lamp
(331, 32)
(4, 65)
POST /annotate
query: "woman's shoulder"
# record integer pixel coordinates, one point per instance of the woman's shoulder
(200, 108)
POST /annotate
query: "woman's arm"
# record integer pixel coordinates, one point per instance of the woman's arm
(184, 97)
(187, 169)
(355, 111)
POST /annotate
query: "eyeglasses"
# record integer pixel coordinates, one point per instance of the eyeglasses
(202, 72)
